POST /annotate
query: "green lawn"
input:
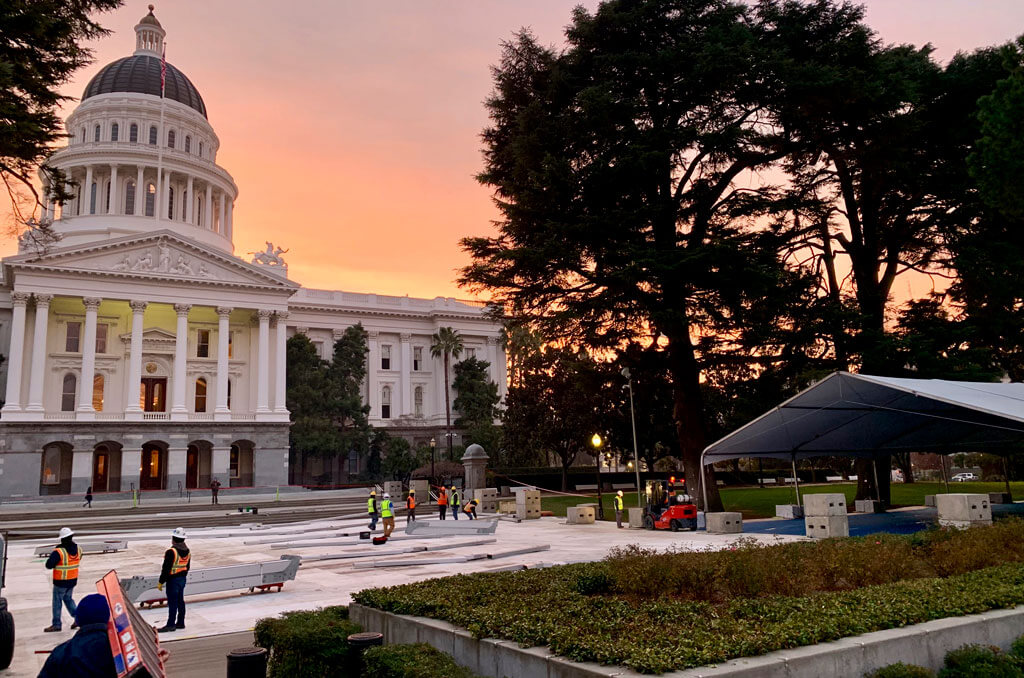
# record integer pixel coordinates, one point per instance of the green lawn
(757, 502)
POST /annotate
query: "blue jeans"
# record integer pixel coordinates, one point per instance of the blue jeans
(373, 520)
(455, 511)
(62, 596)
(176, 600)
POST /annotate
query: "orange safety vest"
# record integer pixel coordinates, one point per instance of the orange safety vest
(410, 502)
(442, 498)
(68, 567)
(180, 564)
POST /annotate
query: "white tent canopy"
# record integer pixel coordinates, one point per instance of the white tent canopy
(857, 415)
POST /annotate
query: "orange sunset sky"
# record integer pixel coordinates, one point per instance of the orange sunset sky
(352, 127)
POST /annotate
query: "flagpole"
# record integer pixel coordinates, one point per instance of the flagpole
(161, 139)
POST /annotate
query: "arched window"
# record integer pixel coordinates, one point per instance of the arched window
(200, 395)
(184, 204)
(417, 401)
(385, 402)
(106, 200)
(188, 144)
(152, 135)
(83, 135)
(150, 200)
(67, 393)
(170, 202)
(96, 134)
(170, 139)
(133, 133)
(92, 198)
(199, 211)
(114, 131)
(200, 149)
(129, 197)
(97, 393)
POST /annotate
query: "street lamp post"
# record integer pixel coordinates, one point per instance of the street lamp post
(597, 442)
(632, 417)
(433, 446)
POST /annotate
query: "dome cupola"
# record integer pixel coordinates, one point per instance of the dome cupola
(149, 36)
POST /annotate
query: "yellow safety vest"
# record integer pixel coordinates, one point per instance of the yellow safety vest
(67, 569)
(371, 505)
(385, 508)
(618, 503)
(454, 500)
(180, 564)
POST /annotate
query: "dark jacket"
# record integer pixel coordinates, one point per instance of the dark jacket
(165, 571)
(86, 655)
(54, 560)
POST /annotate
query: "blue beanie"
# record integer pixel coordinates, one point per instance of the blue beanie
(92, 609)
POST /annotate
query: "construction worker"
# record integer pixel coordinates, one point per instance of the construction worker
(618, 509)
(453, 501)
(87, 654)
(442, 501)
(214, 490)
(387, 512)
(64, 561)
(177, 561)
(371, 508)
(410, 507)
(470, 509)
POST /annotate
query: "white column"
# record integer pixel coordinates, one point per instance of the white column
(135, 360)
(12, 401)
(223, 334)
(85, 409)
(208, 208)
(372, 366)
(38, 374)
(140, 192)
(180, 386)
(220, 216)
(406, 367)
(280, 363)
(231, 224)
(112, 208)
(263, 363)
(88, 190)
(189, 209)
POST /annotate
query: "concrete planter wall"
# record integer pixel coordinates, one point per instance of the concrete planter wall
(922, 644)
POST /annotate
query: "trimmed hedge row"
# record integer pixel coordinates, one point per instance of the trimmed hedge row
(411, 661)
(969, 661)
(609, 613)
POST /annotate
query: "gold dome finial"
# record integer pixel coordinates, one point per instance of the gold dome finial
(151, 8)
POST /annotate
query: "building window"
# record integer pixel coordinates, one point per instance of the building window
(150, 200)
(73, 337)
(200, 395)
(385, 402)
(97, 393)
(199, 211)
(318, 346)
(184, 204)
(170, 139)
(129, 198)
(96, 134)
(133, 133)
(353, 462)
(188, 144)
(101, 338)
(417, 400)
(417, 358)
(83, 135)
(67, 393)
(114, 130)
(233, 464)
(200, 149)
(170, 202)
(106, 200)
(202, 343)
(470, 353)
(92, 198)
(231, 345)
(385, 357)
(152, 135)
(51, 465)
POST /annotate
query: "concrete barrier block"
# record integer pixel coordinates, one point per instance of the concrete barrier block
(422, 488)
(580, 515)
(789, 511)
(1000, 498)
(506, 507)
(394, 488)
(929, 500)
(636, 516)
(401, 630)
(823, 527)
(725, 522)
(963, 507)
(828, 504)
(869, 506)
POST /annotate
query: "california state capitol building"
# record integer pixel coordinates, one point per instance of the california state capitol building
(143, 353)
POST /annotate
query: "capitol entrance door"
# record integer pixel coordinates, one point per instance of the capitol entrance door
(154, 394)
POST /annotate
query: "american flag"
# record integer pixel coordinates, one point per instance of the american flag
(163, 71)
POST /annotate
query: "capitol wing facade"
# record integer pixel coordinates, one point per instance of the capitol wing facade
(142, 354)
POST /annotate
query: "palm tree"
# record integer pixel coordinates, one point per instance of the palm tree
(446, 342)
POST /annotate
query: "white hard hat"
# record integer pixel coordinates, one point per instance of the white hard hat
(66, 532)
(179, 532)
(387, 496)
(620, 493)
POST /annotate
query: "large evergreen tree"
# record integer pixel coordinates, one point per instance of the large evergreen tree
(477, 404)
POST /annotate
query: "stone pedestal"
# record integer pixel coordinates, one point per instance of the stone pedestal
(725, 522)
(580, 515)
(825, 504)
(487, 498)
(528, 504)
(636, 517)
(823, 527)
(789, 511)
(475, 463)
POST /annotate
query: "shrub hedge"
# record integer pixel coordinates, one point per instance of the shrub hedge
(411, 661)
(308, 643)
(901, 670)
(658, 612)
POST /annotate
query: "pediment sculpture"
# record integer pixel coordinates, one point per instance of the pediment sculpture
(158, 260)
(270, 257)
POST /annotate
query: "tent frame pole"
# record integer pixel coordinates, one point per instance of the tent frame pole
(796, 480)
(703, 483)
(945, 476)
(878, 490)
